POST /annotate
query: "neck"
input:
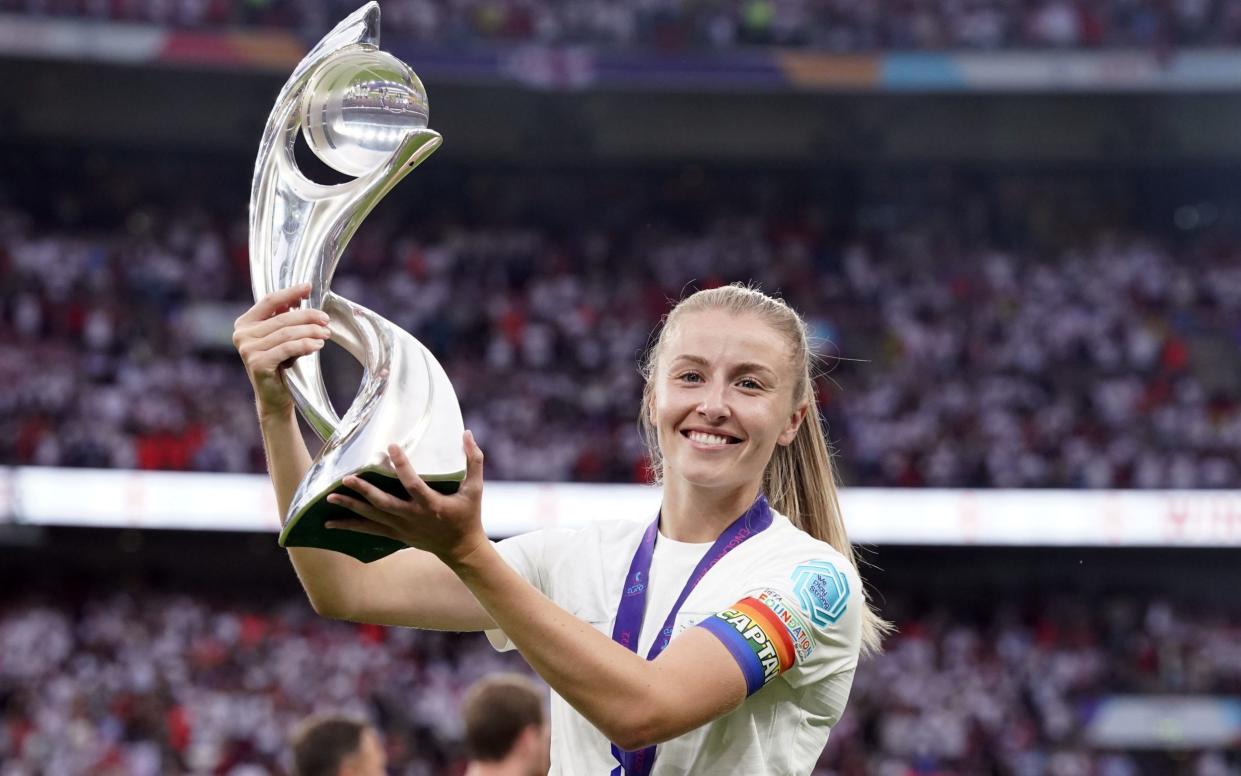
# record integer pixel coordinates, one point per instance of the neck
(508, 767)
(693, 514)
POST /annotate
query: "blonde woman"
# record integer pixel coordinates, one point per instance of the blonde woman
(721, 636)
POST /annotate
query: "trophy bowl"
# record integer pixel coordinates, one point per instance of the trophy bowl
(359, 106)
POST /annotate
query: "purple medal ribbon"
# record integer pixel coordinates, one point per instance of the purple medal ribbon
(632, 608)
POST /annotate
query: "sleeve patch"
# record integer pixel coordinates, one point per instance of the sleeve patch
(822, 591)
(757, 640)
(798, 632)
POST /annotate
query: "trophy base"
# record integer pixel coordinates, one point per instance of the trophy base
(306, 529)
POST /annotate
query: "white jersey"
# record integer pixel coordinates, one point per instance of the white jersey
(781, 585)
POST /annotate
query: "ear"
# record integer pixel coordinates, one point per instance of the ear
(795, 420)
(348, 766)
(528, 741)
(648, 406)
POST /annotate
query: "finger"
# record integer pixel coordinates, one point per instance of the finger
(275, 302)
(288, 334)
(287, 319)
(359, 524)
(358, 507)
(374, 496)
(417, 487)
(283, 355)
(473, 464)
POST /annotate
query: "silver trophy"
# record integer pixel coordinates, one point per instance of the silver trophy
(364, 113)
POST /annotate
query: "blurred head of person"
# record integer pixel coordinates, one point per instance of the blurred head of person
(505, 729)
(337, 745)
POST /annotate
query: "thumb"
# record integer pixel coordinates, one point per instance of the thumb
(473, 463)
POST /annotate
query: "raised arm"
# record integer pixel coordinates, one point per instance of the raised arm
(411, 587)
(633, 701)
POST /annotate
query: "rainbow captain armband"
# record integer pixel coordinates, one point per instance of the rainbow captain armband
(765, 640)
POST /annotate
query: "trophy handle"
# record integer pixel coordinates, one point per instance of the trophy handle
(404, 397)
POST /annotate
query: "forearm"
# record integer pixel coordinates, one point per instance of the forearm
(615, 689)
(288, 460)
(382, 592)
(632, 701)
(323, 574)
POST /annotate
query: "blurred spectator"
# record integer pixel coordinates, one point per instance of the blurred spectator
(336, 745)
(827, 25)
(158, 685)
(1018, 340)
(142, 684)
(506, 733)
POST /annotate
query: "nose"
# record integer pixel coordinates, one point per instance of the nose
(713, 406)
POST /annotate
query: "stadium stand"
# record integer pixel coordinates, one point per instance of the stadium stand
(722, 26)
(145, 683)
(1003, 336)
(1026, 289)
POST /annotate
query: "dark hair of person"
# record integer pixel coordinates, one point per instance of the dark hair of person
(496, 710)
(321, 743)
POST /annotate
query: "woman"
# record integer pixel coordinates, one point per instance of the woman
(735, 618)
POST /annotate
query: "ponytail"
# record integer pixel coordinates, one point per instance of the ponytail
(800, 483)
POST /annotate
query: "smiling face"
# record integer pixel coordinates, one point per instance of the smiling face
(723, 392)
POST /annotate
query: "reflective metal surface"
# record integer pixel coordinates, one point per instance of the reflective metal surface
(364, 113)
(359, 106)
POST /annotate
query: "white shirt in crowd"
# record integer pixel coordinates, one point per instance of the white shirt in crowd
(808, 586)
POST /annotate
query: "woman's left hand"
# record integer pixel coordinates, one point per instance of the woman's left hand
(450, 526)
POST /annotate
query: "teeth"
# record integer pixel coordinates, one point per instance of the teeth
(707, 439)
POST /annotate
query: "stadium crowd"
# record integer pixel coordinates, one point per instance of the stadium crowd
(986, 342)
(169, 684)
(828, 25)
(148, 684)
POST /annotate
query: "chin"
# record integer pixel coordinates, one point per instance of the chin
(708, 477)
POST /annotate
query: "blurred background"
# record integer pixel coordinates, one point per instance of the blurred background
(1013, 225)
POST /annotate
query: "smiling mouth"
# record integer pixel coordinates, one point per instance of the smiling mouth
(705, 438)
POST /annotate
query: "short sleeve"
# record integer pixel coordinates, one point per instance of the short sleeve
(802, 622)
(526, 554)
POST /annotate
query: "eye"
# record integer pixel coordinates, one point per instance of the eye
(689, 377)
(750, 384)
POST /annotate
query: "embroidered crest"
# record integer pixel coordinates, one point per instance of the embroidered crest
(822, 591)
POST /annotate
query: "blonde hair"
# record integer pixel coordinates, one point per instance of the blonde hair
(800, 481)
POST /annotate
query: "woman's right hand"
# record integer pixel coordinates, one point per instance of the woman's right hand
(270, 335)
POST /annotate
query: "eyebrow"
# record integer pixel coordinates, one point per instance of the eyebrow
(745, 366)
